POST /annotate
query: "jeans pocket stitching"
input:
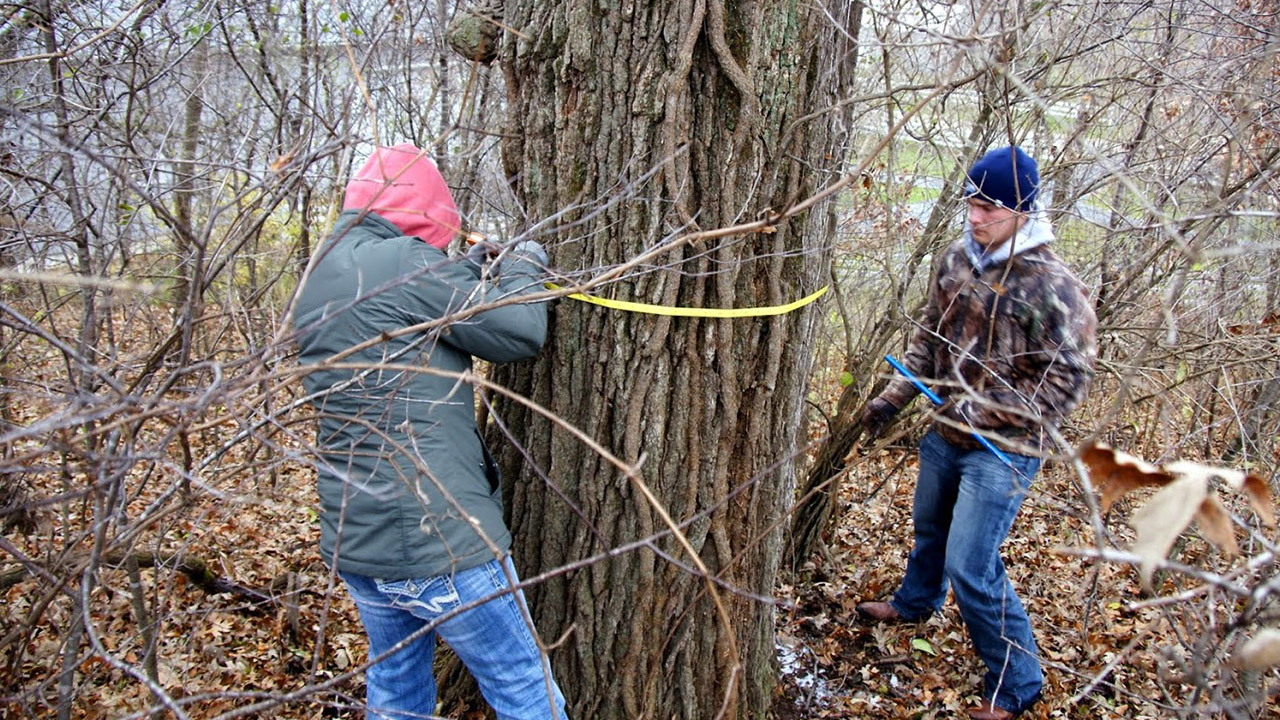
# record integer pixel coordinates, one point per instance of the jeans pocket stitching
(397, 588)
(514, 601)
(497, 577)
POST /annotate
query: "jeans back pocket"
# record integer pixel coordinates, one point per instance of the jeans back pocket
(435, 595)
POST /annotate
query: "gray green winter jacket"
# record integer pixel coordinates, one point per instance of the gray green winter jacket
(406, 486)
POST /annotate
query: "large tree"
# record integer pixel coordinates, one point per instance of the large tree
(635, 131)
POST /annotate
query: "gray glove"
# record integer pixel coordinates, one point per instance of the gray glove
(533, 251)
(482, 252)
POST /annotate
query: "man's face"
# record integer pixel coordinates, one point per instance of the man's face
(993, 224)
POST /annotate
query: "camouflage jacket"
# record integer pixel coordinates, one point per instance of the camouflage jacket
(1010, 347)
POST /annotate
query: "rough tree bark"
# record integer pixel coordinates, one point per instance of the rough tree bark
(735, 108)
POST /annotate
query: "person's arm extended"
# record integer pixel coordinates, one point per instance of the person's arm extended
(504, 333)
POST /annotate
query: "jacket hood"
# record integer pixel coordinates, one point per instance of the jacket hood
(401, 184)
(1035, 232)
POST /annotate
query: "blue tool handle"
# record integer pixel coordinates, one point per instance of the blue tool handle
(933, 397)
(995, 451)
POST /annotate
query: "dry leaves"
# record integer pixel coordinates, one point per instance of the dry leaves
(1187, 493)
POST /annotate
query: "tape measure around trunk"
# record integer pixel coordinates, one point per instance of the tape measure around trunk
(636, 307)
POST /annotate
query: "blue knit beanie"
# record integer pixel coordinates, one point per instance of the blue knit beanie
(1007, 177)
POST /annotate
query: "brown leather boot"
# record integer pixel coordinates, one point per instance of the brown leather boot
(879, 611)
(988, 711)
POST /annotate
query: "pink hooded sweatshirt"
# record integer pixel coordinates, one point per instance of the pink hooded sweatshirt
(402, 185)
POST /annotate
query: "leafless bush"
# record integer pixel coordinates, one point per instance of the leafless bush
(168, 169)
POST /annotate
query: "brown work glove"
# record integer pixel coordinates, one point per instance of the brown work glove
(876, 416)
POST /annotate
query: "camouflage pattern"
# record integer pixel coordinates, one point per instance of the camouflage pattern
(1011, 348)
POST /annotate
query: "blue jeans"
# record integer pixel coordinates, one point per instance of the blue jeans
(965, 503)
(493, 640)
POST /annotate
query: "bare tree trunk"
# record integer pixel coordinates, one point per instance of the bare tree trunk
(305, 99)
(1117, 271)
(85, 379)
(80, 234)
(1251, 443)
(705, 410)
(70, 660)
(184, 177)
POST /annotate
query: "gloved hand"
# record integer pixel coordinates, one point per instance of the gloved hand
(481, 252)
(876, 416)
(532, 250)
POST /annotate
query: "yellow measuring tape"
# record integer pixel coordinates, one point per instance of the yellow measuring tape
(694, 312)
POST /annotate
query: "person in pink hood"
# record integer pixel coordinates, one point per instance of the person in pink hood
(403, 186)
(410, 499)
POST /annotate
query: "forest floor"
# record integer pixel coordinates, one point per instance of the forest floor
(279, 638)
(1106, 654)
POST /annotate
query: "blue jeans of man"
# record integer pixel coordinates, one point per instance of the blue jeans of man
(493, 640)
(965, 504)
